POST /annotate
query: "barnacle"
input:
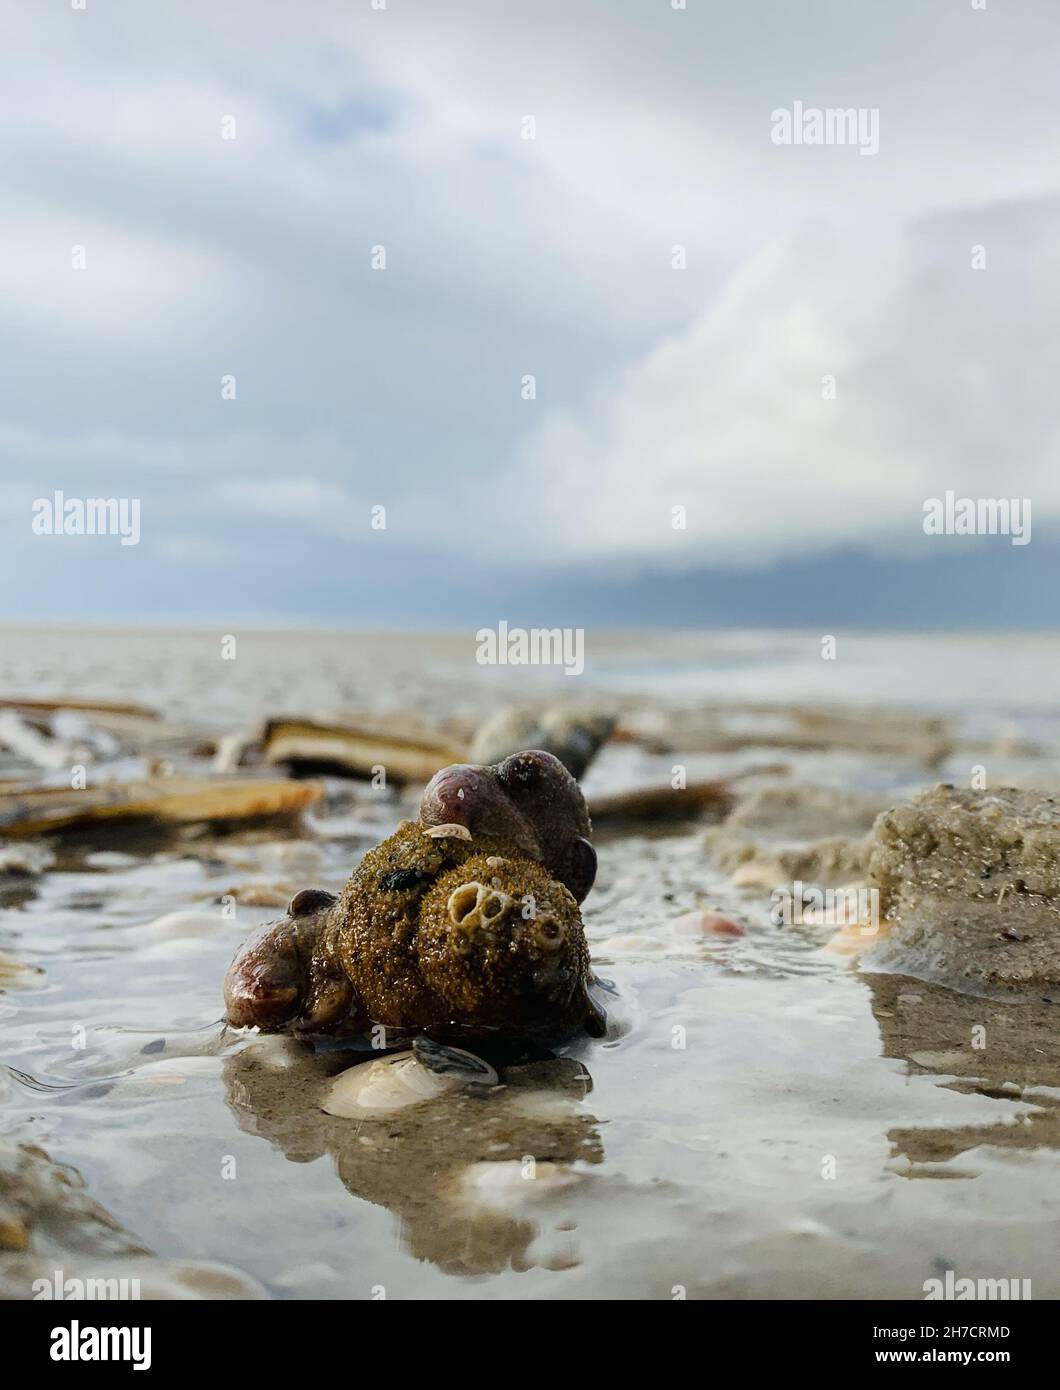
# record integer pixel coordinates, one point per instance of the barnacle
(474, 905)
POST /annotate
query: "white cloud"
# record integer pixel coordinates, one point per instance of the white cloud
(250, 257)
(942, 381)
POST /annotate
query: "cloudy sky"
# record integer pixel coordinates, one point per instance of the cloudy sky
(833, 352)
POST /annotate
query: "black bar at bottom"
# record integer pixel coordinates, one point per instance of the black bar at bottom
(251, 1341)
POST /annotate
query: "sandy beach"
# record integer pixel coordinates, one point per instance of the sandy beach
(763, 1119)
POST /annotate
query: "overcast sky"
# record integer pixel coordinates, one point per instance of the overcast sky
(705, 388)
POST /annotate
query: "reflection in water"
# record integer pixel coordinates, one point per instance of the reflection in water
(997, 1048)
(472, 1178)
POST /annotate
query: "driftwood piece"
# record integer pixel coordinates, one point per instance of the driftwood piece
(357, 749)
(664, 803)
(170, 800)
(41, 707)
(927, 739)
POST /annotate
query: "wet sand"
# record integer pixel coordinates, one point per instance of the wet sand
(763, 1120)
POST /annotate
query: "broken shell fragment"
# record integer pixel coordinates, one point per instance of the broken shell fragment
(449, 832)
(356, 749)
(665, 802)
(39, 708)
(167, 800)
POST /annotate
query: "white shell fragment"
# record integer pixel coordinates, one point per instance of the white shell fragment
(448, 832)
(388, 1084)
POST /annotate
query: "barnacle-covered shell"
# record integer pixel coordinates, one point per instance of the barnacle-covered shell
(502, 942)
(461, 925)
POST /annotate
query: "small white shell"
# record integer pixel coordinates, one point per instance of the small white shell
(448, 832)
(387, 1084)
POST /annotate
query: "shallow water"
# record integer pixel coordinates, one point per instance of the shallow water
(764, 1120)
